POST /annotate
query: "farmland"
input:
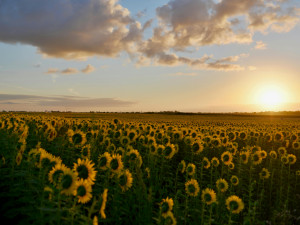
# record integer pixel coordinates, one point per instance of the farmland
(118, 168)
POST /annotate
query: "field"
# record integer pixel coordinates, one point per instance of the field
(110, 168)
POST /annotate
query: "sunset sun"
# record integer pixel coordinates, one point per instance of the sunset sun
(271, 97)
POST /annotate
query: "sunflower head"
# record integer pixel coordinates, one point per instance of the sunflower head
(264, 174)
(116, 164)
(83, 191)
(296, 145)
(169, 151)
(85, 170)
(197, 147)
(104, 160)
(166, 206)
(234, 204)
(226, 157)
(208, 196)
(234, 180)
(125, 180)
(291, 158)
(205, 163)
(215, 161)
(222, 185)
(244, 156)
(256, 158)
(190, 169)
(273, 154)
(182, 166)
(192, 187)
(68, 181)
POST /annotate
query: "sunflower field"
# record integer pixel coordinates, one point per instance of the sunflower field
(151, 169)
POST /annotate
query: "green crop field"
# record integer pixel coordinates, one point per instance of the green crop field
(110, 168)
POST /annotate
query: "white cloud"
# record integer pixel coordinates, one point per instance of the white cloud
(260, 45)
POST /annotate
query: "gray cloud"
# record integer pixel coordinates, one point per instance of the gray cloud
(196, 23)
(80, 29)
(88, 69)
(69, 71)
(69, 29)
(62, 101)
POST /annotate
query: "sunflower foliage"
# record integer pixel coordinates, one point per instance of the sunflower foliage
(148, 169)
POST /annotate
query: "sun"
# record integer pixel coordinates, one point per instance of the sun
(271, 97)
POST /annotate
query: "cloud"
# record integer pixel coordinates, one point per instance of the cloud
(88, 69)
(204, 63)
(260, 45)
(183, 74)
(81, 29)
(36, 101)
(52, 70)
(70, 29)
(69, 71)
(252, 68)
(197, 23)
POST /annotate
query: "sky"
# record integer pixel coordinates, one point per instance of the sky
(154, 55)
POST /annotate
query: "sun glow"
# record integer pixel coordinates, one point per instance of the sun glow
(271, 98)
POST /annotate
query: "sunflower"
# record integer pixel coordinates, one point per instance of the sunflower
(166, 206)
(278, 136)
(46, 160)
(205, 163)
(182, 166)
(134, 156)
(264, 174)
(103, 205)
(291, 158)
(77, 138)
(116, 164)
(197, 147)
(83, 191)
(226, 157)
(298, 173)
(231, 166)
(263, 154)
(281, 151)
(273, 154)
(85, 170)
(86, 151)
(296, 145)
(234, 204)
(19, 158)
(153, 149)
(256, 158)
(244, 156)
(56, 173)
(234, 180)
(222, 185)
(68, 181)
(208, 196)
(125, 180)
(215, 161)
(191, 169)
(170, 219)
(104, 160)
(95, 220)
(120, 151)
(48, 191)
(192, 187)
(284, 159)
(124, 140)
(169, 151)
